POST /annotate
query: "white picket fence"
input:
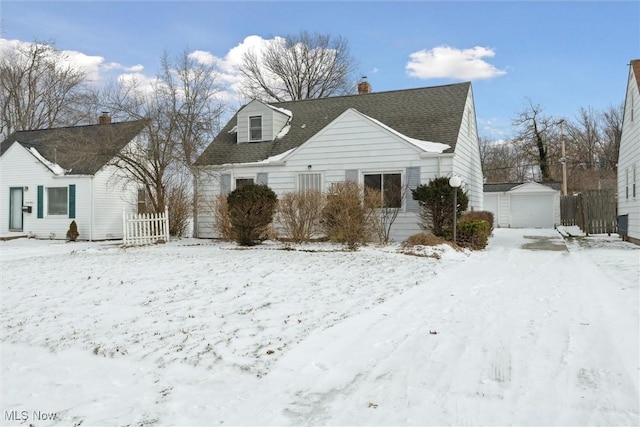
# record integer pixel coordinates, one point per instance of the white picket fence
(145, 229)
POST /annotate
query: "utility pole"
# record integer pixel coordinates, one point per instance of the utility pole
(563, 160)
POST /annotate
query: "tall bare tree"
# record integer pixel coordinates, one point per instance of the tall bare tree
(39, 89)
(302, 66)
(535, 138)
(183, 111)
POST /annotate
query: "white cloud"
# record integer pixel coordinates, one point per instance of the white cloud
(449, 62)
(203, 57)
(94, 66)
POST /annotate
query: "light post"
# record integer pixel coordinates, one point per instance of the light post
(455, 182)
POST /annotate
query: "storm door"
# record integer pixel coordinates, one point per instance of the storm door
(15, 208)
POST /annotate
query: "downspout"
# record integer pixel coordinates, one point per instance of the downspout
(195, 232)
(93, 209)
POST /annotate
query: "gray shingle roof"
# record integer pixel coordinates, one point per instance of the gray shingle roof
(81, 149)
(428, 114)
(506, 186)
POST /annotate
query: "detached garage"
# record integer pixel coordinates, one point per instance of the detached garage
(524, 205)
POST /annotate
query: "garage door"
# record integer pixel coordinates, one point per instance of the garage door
(532, 211)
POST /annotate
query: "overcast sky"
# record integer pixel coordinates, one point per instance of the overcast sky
(561, 55)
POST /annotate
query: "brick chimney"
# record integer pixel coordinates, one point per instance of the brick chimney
(364, 86)
(104, 118)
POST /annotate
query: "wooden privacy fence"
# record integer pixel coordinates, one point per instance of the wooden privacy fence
(144, 229)
(594, 211)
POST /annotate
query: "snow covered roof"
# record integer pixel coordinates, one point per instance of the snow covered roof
(54, 167)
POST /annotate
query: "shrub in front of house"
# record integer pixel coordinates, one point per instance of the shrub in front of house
(299, 215)
(422, 239)
(178, 200)
(221, 218)
(436, 205)
(251, 210)
(348, 215)
(72, 232)
(483, 215)
(472, 233)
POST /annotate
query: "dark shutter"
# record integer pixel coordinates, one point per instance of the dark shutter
(413, 180)
(225, 183)
(72, 201)
(262, 178)
(40, 201)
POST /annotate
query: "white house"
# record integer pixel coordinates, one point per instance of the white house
(523, 205)
(389, 139)
(629, 160)
(50, 177)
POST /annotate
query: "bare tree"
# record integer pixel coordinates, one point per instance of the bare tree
(182, 111)
(535, 138)
(502, 161)
(611, 131)
(39, 89)
(297, 67)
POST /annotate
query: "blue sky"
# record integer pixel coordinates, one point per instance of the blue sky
(561, 55)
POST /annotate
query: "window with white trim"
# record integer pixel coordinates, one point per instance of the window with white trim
(626, 184)
(57, 201)
(309, 182)
(633, 188)
(388, 184)
(255, 128)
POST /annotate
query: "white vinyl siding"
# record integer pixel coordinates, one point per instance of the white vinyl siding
(629, 158)
(467, 157)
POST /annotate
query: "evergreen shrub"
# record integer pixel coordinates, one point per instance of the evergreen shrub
(251, 209)
(436, 203)
(472, 233)
(483, 215)
(72, 232)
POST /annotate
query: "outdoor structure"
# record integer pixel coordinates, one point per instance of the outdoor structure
(50, 177)
(392, 141)
(524, 205)
(629, 160)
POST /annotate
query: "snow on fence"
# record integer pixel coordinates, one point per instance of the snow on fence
(144, 229)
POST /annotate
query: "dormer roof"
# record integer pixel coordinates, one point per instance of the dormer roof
(426, 114)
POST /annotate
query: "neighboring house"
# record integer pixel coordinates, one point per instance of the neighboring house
(389, 140)
(50, 177)
(629, 160)
(523, 205)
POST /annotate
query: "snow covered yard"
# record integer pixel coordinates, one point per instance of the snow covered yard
(203, 333)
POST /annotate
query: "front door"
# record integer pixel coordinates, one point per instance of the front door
(15, 208)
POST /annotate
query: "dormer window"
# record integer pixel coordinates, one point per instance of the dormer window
(255, 128)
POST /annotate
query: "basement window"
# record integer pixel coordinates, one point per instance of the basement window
(255, 128)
